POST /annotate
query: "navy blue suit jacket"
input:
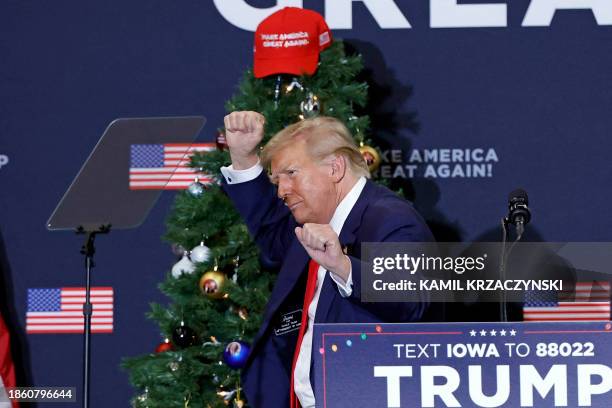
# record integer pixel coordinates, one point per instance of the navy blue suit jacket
(379, 215)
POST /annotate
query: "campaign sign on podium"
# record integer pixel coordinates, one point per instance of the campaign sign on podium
(463, 365)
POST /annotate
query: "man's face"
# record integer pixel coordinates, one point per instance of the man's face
(307, 187)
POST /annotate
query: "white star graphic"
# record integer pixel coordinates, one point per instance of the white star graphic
(502, 332)
(483, 332)
(473, 333)
(513, 332)
(493, 333)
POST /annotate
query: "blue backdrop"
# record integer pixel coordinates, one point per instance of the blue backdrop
(532, 93)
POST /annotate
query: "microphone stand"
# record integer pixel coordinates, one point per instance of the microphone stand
(503, 304)
(503, 312)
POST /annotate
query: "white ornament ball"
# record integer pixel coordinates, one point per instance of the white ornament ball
(201, 253)
(183, 266)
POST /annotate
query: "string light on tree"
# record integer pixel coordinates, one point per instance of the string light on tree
(277, 90)
(173, 366)
(236, 263)
(227, 395)
(243, 313)
(213, 342)
(293, 85)
(143, 398)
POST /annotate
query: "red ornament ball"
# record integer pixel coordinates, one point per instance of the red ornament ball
(164, 346)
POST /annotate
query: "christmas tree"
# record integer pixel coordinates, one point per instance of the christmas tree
(219, 295)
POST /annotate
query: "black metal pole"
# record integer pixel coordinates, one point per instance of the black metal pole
(88, 250)
(87, 312)
(505, 254)
(503, 312)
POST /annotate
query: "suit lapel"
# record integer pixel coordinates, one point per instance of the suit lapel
(353, 221)
(347, 239)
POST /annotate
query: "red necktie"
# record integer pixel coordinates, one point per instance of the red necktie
(311, 285)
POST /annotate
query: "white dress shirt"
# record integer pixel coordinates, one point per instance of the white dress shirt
(301, 377)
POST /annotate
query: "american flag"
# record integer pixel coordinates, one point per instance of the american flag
(164, 166)
(587, 301)
(60, 310)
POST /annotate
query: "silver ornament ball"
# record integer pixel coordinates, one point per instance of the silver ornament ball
(196, 189)
(310, 106)
(183, 266)
(201, 253)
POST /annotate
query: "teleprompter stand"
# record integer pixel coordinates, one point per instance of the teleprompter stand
(100, 197)
(88, 249)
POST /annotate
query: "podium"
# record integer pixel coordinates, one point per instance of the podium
(463, 365)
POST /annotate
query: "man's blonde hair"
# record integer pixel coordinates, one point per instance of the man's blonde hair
(324, 136)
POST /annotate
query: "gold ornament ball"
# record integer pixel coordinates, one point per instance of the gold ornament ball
(371, 156)
(211, 284)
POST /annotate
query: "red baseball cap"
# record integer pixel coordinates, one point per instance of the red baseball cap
(289, 42)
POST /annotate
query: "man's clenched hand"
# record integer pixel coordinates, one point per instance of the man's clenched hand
(243, 132)
(323, 246)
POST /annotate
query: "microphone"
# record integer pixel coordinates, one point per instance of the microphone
(518, 210)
